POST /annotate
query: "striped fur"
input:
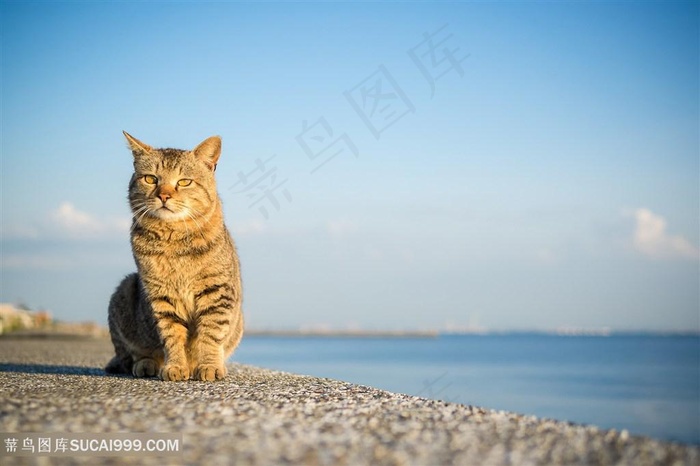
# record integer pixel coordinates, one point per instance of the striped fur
(179, 316)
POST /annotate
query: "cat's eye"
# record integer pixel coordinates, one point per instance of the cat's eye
(184, 182)
(150, 179)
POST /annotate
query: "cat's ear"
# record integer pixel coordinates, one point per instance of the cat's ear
(209, 151)
(137, 147)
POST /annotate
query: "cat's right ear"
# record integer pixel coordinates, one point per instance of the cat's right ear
(137, 147)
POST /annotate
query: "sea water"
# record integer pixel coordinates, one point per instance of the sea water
(647, 384)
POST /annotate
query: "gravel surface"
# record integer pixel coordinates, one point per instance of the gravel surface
(261, 417)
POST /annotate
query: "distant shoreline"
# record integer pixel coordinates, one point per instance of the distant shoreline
(19, 322)
(344, 333)
(440, 333)
(72, 333)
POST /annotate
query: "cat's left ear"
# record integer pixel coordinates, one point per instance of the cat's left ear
(209, 151)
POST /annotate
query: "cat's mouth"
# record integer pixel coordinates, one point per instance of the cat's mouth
(168, 214)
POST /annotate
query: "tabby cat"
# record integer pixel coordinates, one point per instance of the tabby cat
(179, 316)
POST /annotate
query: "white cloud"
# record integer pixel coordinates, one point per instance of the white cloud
(66, 221)
(121, 224)
(341, 227)
(248, 228)
(652, 240)
(545, 256)
(71, 220)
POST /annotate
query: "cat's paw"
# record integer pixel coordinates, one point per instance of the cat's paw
(174, 373)
(210, 372)
(145, 367)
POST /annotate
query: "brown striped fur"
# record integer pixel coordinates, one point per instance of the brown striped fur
(179, 316)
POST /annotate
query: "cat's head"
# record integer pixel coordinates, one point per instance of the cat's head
(172, 184)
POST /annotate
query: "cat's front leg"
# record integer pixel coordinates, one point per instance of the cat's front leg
(211, 370)
(173, 333)
(207, 348)
(207, 357)
(215, 305)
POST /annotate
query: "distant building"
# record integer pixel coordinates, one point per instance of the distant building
(12, 318)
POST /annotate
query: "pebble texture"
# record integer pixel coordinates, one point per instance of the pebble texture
(261, 417)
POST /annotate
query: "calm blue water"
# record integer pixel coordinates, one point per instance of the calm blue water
(649, 385)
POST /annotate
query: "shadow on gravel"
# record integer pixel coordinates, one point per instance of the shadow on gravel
(49, 369)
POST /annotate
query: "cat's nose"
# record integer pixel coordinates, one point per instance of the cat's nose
(164, 197)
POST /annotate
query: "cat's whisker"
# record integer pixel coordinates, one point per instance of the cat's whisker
(196, 213)
(139, 214)
(135, 219)
(184, 222)
(140, 210)
(201, 232)
(187, 229)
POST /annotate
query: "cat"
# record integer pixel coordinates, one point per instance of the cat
(179, 316)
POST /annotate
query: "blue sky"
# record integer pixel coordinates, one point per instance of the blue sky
(542, 172)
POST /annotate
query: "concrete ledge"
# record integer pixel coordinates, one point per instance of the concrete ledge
(262, 417)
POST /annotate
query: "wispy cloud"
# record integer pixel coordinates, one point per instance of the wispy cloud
(67, 221)
(546, 256)
(341, 227)
(76, 223)
(248, 228)
(71, 220)
(67, 237)
(651, 238)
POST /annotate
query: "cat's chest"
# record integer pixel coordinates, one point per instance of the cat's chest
(176, 277)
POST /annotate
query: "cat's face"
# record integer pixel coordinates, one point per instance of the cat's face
(173, 185)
